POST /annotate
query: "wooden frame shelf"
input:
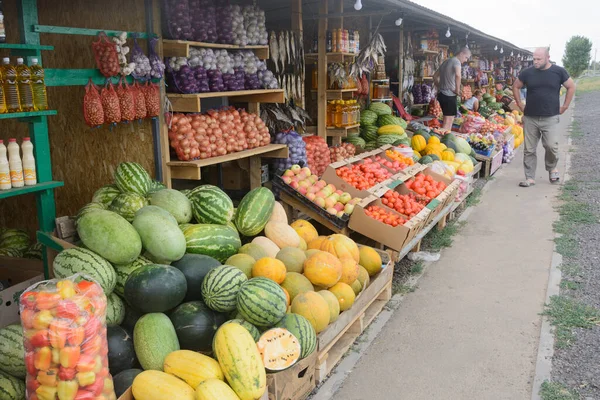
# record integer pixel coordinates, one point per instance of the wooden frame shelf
(425, 53)
(5, 194)
(181, 48)
(192, 169)
(192, 102)
(341, 132)
(24, 50)
(24, 115)
(333, 57)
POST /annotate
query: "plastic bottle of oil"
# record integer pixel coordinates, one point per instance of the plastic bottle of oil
(339, 106)
(3, 108)
(24, 83)
(38, 84)
(11, 90)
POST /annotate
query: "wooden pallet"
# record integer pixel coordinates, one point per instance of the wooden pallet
(334, 342)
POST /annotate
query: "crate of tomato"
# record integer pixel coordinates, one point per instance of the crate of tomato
(357, 177)
(435, 188)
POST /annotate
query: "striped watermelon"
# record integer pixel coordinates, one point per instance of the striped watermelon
(124, 270)
(217, 241)
(211, 205)
(156, 186)
(249, 327)
(187, 192)
(77, 260)
(11, 253)
(89, 208)
(12, 354)
(174, 202)
(355, 140)
(131, 177)
(368, 132)
(106, 194)
(262, 302)
(254, 211)
(15, 239)
(11, 388)
(34, 251)
(127, 204)
(115, 310)
(183, 227)
(302, 329)
(221, 286)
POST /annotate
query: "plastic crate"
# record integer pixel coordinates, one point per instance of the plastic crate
(485, 153)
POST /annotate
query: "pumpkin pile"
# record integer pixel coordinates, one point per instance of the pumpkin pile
(452, 150)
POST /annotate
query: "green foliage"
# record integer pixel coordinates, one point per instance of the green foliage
(577, 55)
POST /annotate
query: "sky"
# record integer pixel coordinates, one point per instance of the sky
(528, 23)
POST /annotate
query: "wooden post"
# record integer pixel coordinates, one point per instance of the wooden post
(322, 74)
(298, 28)
(401, 64)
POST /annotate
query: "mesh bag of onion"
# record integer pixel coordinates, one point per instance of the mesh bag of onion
(181, 137)
(139, 100)
(126, 101)
(203, 20)
(110, 103)
(152, 96)
(92, 105)
(178, 19)
(297, 150)
(317, 154)
(105, 53)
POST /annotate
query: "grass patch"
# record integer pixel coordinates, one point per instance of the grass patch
(567, 246)
(474, 198)
(569, 285)
(590, 84)
(571, 270)
(401, 288)
(417, 268)
(565, 314)
(439, 239)
(573, 213)
(557, 391)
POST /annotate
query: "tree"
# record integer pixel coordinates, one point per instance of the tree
(577, 55)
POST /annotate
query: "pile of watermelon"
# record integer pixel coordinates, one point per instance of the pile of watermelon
(371, 119)
(16, 243)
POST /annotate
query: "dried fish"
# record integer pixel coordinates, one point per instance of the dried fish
(367, 58)
(274, 50)
(293, 39)
(300, 85)
(282, 50)
(287, 47)
(284, 86)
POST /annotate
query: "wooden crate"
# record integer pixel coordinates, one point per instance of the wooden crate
(338, 337)
(490, 164)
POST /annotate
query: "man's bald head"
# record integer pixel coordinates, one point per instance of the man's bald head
(541, 58)
(464, 54)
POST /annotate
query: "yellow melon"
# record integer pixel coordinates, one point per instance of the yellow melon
(344, 294)
(243, 262)
(323, 269)
(349, 270)
(295, 283)
(370, 260)
(363, 277)
(314, 308)
(356, 286)
(269, 267)
(305, 229)
(332, 302)
(293, 258)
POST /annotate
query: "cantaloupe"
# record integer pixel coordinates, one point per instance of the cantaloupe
(282, 234)
(267, 245)
(279, 349)
(370, 260)
(349, 271)
(305, 229)
(314, 308)
(243, 262)
(253, 250)
(295, 284)
(269, 267)
(333, 303)
(278, 214)
(293, 258)
(344, 294)
(323, 269)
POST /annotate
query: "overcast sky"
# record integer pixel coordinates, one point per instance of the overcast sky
(528, 23)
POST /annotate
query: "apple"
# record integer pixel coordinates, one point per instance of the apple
(332, 211)
(287, 179)
(320, 194)
(311, 196)
(349, 209)
(304, 183)
(288, 172)
(306, 171)
(340, 214)
(301, 176)
(339, 192)
(313, 189)
(331, 187)
(338, 206)
(322, 183)
(295, 184)
(320, 201)
(327, 191)
(335, 197)
(354, 201)
(302, 190)
(296, 169)
(313, 179)
(329, 202)
(345, 198)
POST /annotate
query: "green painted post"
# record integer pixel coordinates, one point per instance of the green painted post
(28, 16)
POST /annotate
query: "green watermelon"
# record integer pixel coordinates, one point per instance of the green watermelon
(12, 354)
(221, 286)
(217, 241)
(211, 205)
(110, 235)
(131, 317)
(195, 267)
(369, 132)
(473, 160)
(123, 271)
(355, 140)
(425, 160)
(262, 302)
(16, 239)
(121, 352)
(389, 139)
(300, 327)
(89, 208)
(183, 227)
(106, 194)
(404, 141)
(131, 177)
(124, 379)
(11, 253)
(254, 211)
(160, 236)
(187, 193)
(11, 388)
(156, 186)
(371, 145)
(34, 251)
(423, 133)
(115, 309)
(196, 325)
(155, 288)
(175, 202)
(154, 338)
(78, 260)
(127, 204)
(249, 327)
(388, 120)
(367, 117)
(380, 108)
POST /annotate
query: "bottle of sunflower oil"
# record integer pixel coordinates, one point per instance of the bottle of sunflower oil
(40, 98)
(11, 90)
(25, 89)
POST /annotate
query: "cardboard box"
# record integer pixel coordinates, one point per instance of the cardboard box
(127, 395)
(21, 273)
(393, 237)
(295, 383)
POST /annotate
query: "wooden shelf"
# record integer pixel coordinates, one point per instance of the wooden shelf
(341, 132)
(333, 57)
(191, 169)
(421, 105)
(424, 78)
(69, 30)
(336, 94)
(191, 102)
(21, 46)
(425, 53)
(30, 114)
(4, 194)
(181, 48)
(390, 99)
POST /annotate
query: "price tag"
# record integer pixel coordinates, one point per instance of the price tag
(394, 184)
(381, 191)
(433, 204)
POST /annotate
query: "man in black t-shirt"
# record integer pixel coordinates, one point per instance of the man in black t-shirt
(543, 82)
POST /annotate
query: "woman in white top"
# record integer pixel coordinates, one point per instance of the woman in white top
(473, 103)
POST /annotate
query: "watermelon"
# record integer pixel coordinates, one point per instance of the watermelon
(156, 186)
(12, 353)
(356, 140)
(216, 241)
(127, 204)
(371, 145)
(249, 327)
(79, 260)
(389, 139)
(11, 253)
(11, 388)
(160, 236)
(89, 208)
(254, 211)
(131, 177)
(106, 194)
(388, 120)
(380, 108)
(34, 251)
(124, 379)
(187, 193)
(131, 317)
(369, 132)
(195, 267)
(368, 117)
(175, 203)
(110, 235)
(300, 327)
(121, 353)
(221, 286)
(16, 239)
(211, 205)
(124, 270)
(155, 288)
(115, 310)
(154, 338)
(262, 302)
(196, 324)
(425, 160)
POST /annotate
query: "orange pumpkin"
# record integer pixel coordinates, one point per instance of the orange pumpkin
(305, 229)
(271, 268)
(323, 269)
(349, 271)
(340, 246)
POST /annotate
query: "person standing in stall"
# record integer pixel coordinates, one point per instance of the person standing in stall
(447, 80)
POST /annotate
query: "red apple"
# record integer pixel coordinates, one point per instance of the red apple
(311, 196)
(349, 209)
(338, 206)
(306, 171)
(294, 184)
(329, 202)
(302, 190)
(320, 201)
(287, 179)
(332, 211)
(288, 172)
(295, 168)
